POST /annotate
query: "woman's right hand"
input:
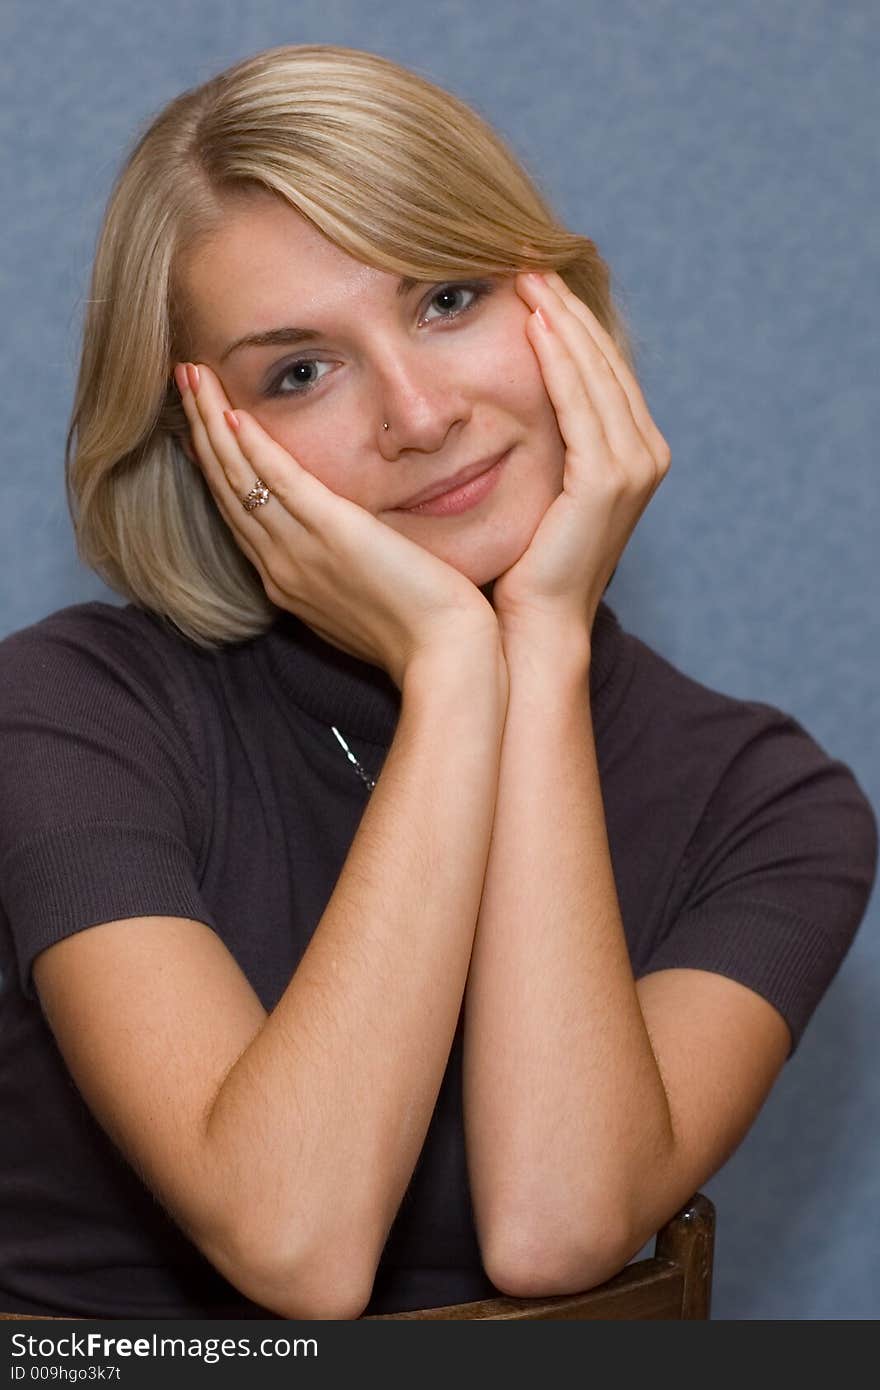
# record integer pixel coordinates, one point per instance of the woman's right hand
(358, 583)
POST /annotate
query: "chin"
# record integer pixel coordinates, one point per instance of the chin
(485, 562)
(483, 569)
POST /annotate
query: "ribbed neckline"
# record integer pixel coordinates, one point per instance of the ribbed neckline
(362, 700)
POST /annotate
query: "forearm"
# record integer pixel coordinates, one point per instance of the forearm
(322, 1119)
(565, 1111)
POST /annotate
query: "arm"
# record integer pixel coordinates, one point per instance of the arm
(592, 1113)
(593, 1105)
(283, 1144)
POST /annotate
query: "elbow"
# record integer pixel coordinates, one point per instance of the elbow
(531, 1267)
(308, 1293)
(293, 1284)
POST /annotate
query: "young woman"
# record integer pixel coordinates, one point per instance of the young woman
(381, 924)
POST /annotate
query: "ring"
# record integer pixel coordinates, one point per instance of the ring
(258, 495)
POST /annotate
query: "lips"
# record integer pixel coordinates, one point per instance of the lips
(455, 480)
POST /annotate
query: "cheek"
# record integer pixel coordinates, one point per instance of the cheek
(524, 387)
(320, 451)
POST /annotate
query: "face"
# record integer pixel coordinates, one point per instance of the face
(446, 363)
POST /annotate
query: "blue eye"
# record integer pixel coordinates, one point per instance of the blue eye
(304, 385)
(477, 289)
(450, 291)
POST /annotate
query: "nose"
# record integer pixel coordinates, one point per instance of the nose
(420, 400)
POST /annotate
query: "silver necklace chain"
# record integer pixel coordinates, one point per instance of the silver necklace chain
(368, 781)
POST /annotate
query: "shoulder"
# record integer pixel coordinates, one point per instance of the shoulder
(101, 632)
(94, 658)
(105, 804)
(775, 840)
(755, 802)
(95, 695)
(681, 706)
(706, 741)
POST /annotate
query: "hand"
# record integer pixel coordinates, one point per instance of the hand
(358, 583)
(615, 459)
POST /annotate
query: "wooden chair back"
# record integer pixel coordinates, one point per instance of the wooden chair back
(675, 1283)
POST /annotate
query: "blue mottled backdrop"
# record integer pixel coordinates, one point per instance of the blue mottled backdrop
(725, 160)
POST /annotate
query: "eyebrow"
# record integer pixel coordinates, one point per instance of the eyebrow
(276, 337)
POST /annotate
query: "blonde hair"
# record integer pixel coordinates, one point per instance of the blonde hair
(394, 170)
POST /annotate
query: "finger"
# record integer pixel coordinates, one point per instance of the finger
(637, 403)
(230, 508)
(210, 466)
(601, 386)
(612, 354)
(219, 441)
(248, 455)
(601, 383)
(579, 421)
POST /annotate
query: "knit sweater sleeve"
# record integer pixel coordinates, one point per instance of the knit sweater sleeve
(102, 804)
(778, 873)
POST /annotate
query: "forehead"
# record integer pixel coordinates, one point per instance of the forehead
(267, 259)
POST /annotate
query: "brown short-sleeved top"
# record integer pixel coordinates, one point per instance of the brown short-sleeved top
(142, 775)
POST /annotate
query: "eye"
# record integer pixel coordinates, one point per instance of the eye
(302, 384)
(447, 297)
(477, 291)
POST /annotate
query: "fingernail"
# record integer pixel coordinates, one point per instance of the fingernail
(231, 419)
(535, 276)
(192, 376)
(539, 315)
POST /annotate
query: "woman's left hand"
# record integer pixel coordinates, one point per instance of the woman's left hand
(615, 459)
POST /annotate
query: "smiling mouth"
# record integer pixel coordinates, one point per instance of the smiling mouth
(459, 495)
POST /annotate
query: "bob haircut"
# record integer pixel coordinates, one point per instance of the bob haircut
(389, 167)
